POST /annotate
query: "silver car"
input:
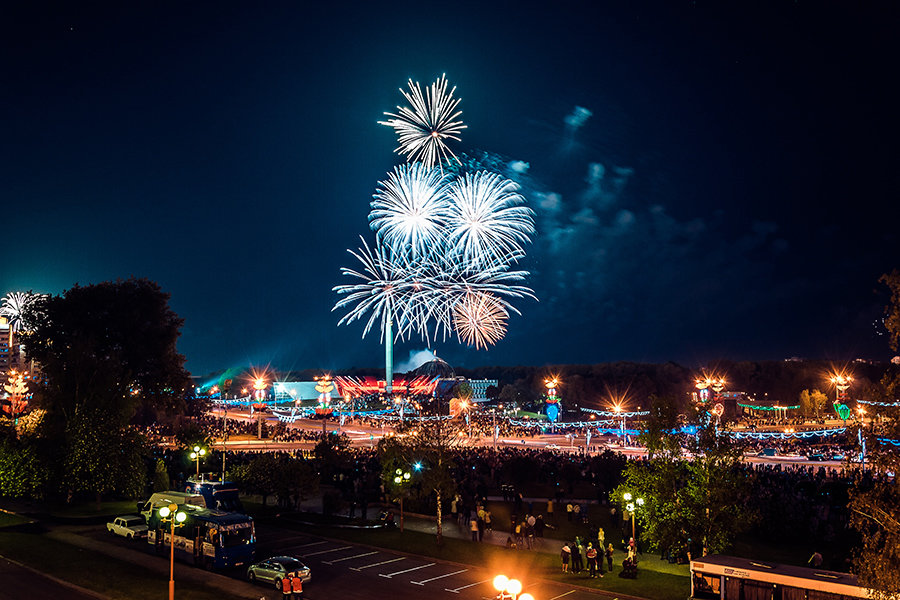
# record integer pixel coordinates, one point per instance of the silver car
(273, 570)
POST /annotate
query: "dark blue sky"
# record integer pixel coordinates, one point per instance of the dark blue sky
(733, 192)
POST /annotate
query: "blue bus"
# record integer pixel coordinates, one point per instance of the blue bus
(211, 539)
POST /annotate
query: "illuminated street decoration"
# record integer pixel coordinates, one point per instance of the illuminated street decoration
(17, 390)
(552, 399)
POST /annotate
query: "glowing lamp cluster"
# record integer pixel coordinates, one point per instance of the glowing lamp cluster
(510, 589)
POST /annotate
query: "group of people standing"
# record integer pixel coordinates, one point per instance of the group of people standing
(582, 554)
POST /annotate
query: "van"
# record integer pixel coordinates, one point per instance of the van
(159, 499)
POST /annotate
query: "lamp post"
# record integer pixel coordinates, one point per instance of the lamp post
(631, 507)
(510, 589)
(196, 455)
(171, 514)
(401, 477)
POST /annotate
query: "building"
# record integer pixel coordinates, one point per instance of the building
(479, 388)
(7, 360)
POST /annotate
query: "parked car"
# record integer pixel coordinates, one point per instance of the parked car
(274, 569)
(128, 526)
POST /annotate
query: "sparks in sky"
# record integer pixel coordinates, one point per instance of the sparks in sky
(445, 244)
(480, 320)
(488, 218)
(13, 308)
(423, 127)
(410, 208)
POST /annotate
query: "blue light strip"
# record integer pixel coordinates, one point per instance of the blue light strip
(889, 441)
(874, 403)
(765, 435)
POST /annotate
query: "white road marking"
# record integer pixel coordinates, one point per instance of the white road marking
(331, 562)
(406, 571)
(311, 544)
(384, 562)
(456, 591)
(424, 581)
(327, 551)
(566, 594)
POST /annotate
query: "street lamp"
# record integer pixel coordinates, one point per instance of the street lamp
(171, 514)
(196, 455)
(509, 589)
(401, 477)
(631, 507)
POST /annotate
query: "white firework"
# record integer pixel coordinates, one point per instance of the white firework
(13, 308)
(480, 319)
(410, 209)
(488, 218)
(425, 125)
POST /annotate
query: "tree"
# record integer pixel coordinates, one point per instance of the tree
(697, 501)
(109, 346)
(160, 476)
(812, 404)
(104, 350)
(432, 446)
(892, 310)
(875, 501)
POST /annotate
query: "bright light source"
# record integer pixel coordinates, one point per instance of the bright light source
(417, 466)
(627, 496)
(640, 501)
(526, 596)
(500, 582)
(514, 587)
(630, 507)
(180, 517)
(164, 512)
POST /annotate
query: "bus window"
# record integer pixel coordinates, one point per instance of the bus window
(237, 537)
(706, 586)
(757, 590)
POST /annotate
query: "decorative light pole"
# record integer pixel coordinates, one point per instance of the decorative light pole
(401, 477)
(552, 409)
(17, 389)
(171, 514)
(259, 394)
(841, 384)
(631, 507)
(196, 455)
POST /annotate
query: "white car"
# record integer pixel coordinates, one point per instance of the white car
(128, 526)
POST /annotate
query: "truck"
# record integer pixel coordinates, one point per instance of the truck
(220, 495)
(208, 538)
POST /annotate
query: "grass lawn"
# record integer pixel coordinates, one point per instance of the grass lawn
(9, 519)
(112, 508)
(667, 582)
(100, 573)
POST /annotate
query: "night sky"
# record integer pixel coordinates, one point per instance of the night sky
(710, 179)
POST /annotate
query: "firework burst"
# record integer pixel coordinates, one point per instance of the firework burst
(13, 308)
(480, 320)
(488, 219)
(423, 127)
(410, 208)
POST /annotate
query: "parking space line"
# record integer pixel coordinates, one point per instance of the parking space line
(424, 581)
(384, 562)
(406, 571)
(566, 594)
(331, 562)
(311, 544)
(456, 591)
(327, 551)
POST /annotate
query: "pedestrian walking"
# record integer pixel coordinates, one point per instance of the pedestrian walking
(550, 510)
(565, 554)
(487, 521)
(609, 557)
(296, 586)
(473, 528)
(569, 511)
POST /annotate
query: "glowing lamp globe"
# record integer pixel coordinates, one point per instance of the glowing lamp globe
(500, 582)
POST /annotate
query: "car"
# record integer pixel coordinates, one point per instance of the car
(128, 526)
(552, 446)
(273, 570)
